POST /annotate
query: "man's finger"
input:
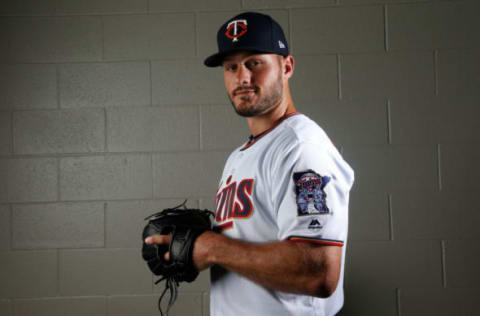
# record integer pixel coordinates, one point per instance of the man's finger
(158, 239)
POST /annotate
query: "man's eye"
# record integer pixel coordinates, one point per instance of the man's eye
(254, 64)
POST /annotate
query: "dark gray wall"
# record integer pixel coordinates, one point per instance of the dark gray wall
(107, 114)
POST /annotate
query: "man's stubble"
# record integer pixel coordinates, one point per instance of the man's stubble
(268, 102)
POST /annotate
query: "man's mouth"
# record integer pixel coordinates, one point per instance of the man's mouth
(243, 91)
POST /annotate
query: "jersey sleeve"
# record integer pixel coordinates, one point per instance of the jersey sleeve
(311, 194)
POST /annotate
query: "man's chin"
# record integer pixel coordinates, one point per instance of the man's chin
(246, 107)
(245, 112)
(250, 111)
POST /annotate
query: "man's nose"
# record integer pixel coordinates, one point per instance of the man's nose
(244, 76)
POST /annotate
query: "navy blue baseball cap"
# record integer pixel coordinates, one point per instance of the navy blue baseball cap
(249, 31)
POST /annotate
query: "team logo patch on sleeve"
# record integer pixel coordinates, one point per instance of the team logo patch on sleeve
(311, 197)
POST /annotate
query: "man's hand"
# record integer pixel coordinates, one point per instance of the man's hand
(200, 248)
(160, 240)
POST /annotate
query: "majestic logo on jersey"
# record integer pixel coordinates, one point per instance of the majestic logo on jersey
(315, 224)
(236, 29)
(233, 201)
(311, 197)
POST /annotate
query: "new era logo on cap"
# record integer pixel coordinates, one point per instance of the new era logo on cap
(249, 31)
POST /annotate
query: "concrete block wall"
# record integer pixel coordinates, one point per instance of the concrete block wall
(107, 114)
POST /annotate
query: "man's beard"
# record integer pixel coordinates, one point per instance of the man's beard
(266, 103)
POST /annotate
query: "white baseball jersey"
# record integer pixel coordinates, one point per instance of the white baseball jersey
(289, 182)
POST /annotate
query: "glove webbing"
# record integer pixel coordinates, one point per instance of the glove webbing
(172, 285)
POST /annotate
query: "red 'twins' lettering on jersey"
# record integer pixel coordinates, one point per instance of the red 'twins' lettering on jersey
(234, 201)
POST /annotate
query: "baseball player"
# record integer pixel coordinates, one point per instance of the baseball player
(281, 210)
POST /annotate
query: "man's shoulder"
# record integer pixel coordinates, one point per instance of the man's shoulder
(305, 130)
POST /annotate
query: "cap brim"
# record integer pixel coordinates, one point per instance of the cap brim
(216, 60)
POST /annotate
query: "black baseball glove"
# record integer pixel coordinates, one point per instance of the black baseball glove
(184, 225)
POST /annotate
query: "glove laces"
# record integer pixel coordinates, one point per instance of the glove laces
(172, 285)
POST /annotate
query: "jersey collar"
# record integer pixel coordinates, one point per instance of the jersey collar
(253, 139)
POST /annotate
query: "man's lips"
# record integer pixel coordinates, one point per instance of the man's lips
(241, 91)
(244, 92)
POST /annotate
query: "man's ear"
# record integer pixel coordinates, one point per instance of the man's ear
(289, 66)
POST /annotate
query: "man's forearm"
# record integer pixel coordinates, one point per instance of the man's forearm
(295, 267)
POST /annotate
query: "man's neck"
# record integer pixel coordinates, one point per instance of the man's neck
(261, 123)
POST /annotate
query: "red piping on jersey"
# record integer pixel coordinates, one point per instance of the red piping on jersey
(253, 139)
(325, 242)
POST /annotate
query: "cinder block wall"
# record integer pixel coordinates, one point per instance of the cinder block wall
(107, 114)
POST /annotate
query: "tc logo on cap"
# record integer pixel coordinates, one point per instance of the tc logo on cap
(233, 29)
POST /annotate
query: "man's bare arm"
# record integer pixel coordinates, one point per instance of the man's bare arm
(295, 267)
